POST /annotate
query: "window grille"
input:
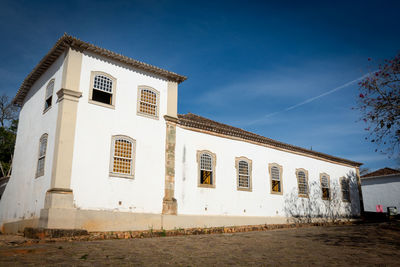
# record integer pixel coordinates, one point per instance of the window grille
(325, 187)
(148, 102)
(206, 170)
(49, 94)
(345, 189)
(102, 83)
(276, 180)
(302, 183)
(42, 155)
(123, 156)
(244, 177)
(102, 89)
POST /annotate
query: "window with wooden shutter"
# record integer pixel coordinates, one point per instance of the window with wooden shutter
(148, 102)
(345, 187)
(123, 155)
(325, 187)
(243, 173)
(42, 155)
(206, 172)
(275, 174)
(276, 180)
(244, 177)
(302, 182)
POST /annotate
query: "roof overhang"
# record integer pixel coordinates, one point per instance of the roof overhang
(381, 176)
(67, 41)
(206, 125)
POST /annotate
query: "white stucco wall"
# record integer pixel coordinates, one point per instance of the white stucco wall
(24, 194)
(381, 191)
(92, 186)
(225, 199)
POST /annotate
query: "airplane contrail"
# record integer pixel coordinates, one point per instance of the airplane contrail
(312, 98)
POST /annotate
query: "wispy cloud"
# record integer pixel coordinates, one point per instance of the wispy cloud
(367, 158)
(309, 100)
(279, 82)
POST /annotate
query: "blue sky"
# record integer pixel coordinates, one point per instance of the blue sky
(246, 61)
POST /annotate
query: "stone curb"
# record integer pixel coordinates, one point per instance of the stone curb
(41, 235)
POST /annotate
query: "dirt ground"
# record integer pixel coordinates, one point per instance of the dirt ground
(351, 245)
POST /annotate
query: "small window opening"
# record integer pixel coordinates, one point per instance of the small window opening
(49, 95)
(206, 172)
(102, 97)
(325, 188)
(276, 181)
(102, 89)
(48, 102)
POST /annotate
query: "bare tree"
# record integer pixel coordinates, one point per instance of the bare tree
(379, 101)
(363, 171)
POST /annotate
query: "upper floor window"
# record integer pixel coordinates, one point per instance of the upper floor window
(148, 101)
(123, 155)
(42, 155)
(243, 170)
(345, 187)
(49, 95)
(326, 194)
(275, 172)
(302, 182)
(206, 162)
(102, 89)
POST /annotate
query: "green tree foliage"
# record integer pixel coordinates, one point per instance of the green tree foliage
(8, 131)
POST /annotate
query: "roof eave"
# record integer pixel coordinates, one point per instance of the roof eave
(380, 176)
(243, 134)
(68, 41)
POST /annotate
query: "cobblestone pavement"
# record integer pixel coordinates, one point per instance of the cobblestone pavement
(373, 244)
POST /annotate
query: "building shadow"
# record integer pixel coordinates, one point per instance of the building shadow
(329, 208)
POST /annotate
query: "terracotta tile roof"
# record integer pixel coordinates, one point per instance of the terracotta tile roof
(194, 121)
(382, 172)
(67, 41)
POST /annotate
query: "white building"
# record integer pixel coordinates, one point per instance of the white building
(381, 187)
(100, 146)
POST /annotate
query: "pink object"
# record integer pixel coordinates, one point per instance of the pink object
(379, 208)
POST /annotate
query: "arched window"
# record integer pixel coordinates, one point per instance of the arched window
(206, 169)
(275, 172)
(49, 95)
(326, 194)
(345, 187)
(244, 177)
(206, 161)
(243, 170)
(302, 182)
(42, 155)
(102, 89)
(123, 153)
(148, 99)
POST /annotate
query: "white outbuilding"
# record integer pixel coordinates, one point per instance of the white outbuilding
(381, 189)
(100, 146)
